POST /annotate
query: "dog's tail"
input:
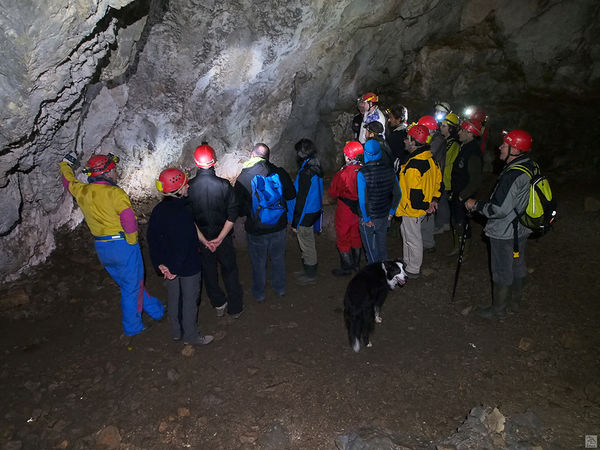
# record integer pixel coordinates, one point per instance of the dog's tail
(356, 323)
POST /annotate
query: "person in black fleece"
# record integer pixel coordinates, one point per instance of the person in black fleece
(215, 210)
(174, 251)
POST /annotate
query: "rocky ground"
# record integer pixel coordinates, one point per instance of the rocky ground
(284, 376)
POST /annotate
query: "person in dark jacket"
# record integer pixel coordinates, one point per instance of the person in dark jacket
(397, 132)
(264, 241)
(466, 180)
(508, 199)
(174, 251)
(375, 130)
(378, 198)
(215, 210)
(305, 216)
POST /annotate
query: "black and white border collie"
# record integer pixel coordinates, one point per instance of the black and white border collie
(365, 296)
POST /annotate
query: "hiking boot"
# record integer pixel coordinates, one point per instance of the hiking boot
(346, 263)
(200, 340)
(356, 257)
(221, 309)
(309, 275)
(497, 310)
(514, 303)
(237, 315)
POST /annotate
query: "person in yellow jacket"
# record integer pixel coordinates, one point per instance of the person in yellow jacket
(110, 218)
(420, 182)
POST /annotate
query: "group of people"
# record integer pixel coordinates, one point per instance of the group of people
(424, 175)
(190, 232)
(437, 164)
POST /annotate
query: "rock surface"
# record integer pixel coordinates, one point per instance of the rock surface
(148, 80)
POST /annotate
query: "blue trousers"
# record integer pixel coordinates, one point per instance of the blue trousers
(261, 248)
(375, 239)
(124, 264)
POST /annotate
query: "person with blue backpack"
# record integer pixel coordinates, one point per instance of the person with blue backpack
(305, 211)
(263, 190)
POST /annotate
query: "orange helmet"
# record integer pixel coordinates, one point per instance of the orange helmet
(99, 164)
(472, 126)
(352, 149)
(204, 156)
(370, 97)
(171, 180)
(420, 133)
(429, 122)
(519, 139)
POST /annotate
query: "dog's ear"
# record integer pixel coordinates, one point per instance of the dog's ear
(401, 261)
(390, 268)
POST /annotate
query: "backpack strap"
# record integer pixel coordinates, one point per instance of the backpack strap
(515, 222)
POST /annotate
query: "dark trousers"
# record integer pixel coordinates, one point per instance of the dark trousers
(459, 217)
(184, 293)
(506, 269)
(224, 256)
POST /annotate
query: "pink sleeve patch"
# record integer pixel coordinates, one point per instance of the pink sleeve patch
(65, 182)
(128, 221)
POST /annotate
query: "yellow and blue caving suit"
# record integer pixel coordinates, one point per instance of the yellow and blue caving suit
(108, 214)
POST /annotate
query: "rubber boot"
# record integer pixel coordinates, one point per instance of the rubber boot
(299, 273)
(309, 276)
(356, 257)
(500, 298)
(346, 264)
(457, 233)
(514, 303)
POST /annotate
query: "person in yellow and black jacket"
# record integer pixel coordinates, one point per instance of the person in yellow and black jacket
(109, 216)
(420, 183)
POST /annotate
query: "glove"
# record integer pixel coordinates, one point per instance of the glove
(70, 159)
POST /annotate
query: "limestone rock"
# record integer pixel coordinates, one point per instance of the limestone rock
(368, 439)
(109, 437)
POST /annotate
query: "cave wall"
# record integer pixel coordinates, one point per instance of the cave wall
(149, 79)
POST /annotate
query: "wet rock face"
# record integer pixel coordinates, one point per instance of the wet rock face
(149, 79)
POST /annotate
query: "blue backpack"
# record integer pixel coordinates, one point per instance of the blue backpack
(267, 199)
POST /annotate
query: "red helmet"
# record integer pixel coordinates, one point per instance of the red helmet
(519, 139)
(171, 180)
(370, 97)
(99, 164)
(472, 126)
(204, 156)
(352, 149)
(478, 115)
(419, 132)
(429, 122)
